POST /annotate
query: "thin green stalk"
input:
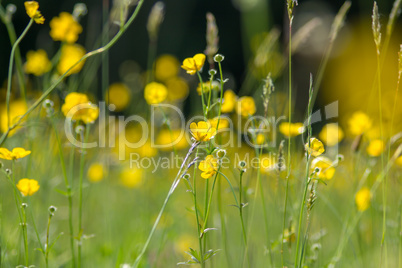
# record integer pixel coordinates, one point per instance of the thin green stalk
(18, 61)
(69, 194)
(25, 233)
(82, 163)
(167, 123)
(196, 215)
(172, 188)
(307, 178)
(289, 138)
(384, 184)
(210, 201)
(220, 101)
(47, 241)
(10, 68)
(152, 48)
(60, 79)
(241, 207)
(105, 56)
(204, 111)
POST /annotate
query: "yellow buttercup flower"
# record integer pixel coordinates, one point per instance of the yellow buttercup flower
(155, 93)
(203, 131)
(78, 107)
(362, 199)
(223, 123)
(207, 87)
(194, 64)
(375, 148)
(131, 177)
(119, 95)
(166, 67)
(331, 134)
(209, 167)
(37, 63)
(316, 147)
(398, 161)
(65, 28)
(267, 163)
(96, 172)
(245, 106)
(16, 153)
(17, 109)
(177, 88)
(359, 123)
(325, 168)
(28, 187)
(229, 101)
(292, 130)
(70, 55)
(168, 140)
(32, 10)
(260, 139)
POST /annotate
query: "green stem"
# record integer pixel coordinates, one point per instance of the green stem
(220, 101)
(289, 138)
(69, 194)
(13, 37)
(10, 69)
(82, 163)
(384, 184)
(196, 214)
(204, 108)
(47, 241)
(172, 188)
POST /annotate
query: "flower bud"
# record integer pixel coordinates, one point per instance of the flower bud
(219, 58)
(221, 153)
(24, 205)
(242, 164)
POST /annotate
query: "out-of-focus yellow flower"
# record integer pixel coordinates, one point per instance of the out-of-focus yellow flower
(96, 172)
(80, 108)
(28, 187)
(37, 62)
(70, 55)
(331, 134)
(203, 131)
(65, 28)
(316, 147)
(155, 93)
(194, 64)
(375, 148)
(223, 123)
(362, 199)
(32, 10)
(267, 163)
(398, 161)
(245, 106)
(209, 167)
(184, 243)
(166, 66)
(168, 140)
(207, 87)
(229, 101)
(119, 95)
(325, 168)
(260, 139)
(359, 123)
(17, 109)
(177, 89)
(292, 130)
(16, 153)
(146, 150)
(131, 177)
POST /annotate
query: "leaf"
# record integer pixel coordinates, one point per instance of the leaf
(62, 192)
(209, 229)
(210, 253)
